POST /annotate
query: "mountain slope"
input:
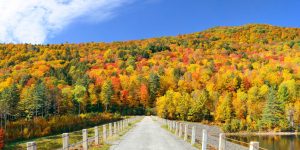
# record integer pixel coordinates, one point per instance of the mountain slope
(222, 75)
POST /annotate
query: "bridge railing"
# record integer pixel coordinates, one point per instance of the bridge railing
(108, 131)
(209, 137)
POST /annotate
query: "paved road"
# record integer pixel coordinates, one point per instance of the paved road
(148, 135)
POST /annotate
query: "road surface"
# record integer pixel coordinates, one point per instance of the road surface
(148, 135)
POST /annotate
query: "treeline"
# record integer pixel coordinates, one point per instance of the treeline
(224, 75)
(231, 110)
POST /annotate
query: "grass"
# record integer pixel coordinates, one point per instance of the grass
(55, 141)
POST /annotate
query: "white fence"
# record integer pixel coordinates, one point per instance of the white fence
(209, 137)
(96, 139)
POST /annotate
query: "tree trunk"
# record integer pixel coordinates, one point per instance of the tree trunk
(79, 108)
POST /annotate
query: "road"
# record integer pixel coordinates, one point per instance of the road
(148, 135)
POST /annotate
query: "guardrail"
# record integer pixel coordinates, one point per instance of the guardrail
(210, 137)
(96, 139)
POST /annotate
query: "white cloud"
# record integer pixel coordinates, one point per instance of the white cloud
(32, 21)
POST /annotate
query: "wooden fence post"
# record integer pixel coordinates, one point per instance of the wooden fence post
(110, 129)
(193, 135)
(173, 128)
(180, 130)
(222, 145)
(104, 133)
(176, 128)
(96, 135)
(122, 125)
(65, 139)
(115, 128)
(204, 139)
(85, 139)
(31, 146)
(254, 145)
(185, 132)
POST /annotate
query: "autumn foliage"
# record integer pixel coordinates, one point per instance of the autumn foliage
(222, 75)
(1, 138)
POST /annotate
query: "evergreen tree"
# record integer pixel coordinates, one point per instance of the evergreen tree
(283, 94)
(40, 98)
(154, 85)
(9, 98)
(273, 113)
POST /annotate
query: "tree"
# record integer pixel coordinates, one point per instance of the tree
(10, 97)
(239, 104)
(144, 95)
(184, 105)
(273, 113)
(26, 105)
(79, 92)
(199, 100)
(41, 100)
(161, 107)
(224, 110)
(283, 94)
(106, 93)
(154, 85)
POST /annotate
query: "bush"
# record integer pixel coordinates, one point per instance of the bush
(38, 127)
(1, 138)
(235, 125)
(226, 126)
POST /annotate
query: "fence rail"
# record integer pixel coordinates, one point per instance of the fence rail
(95, 139)
(210, 137)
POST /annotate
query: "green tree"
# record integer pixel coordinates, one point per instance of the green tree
(10, 97)
(283, 94)
(273, 113)
(40, 99)
(79, 93)
(154, 85)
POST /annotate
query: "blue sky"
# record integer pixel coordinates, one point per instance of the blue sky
(118, 20)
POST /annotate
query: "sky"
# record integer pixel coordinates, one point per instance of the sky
(77, 21)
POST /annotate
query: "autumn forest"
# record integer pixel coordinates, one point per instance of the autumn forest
(243, 78)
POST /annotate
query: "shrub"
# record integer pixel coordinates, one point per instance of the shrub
(235, 125)
(1, 138)
(226, 126)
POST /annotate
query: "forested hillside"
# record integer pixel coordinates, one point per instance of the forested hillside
(243, 78)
